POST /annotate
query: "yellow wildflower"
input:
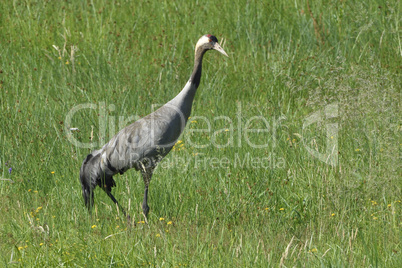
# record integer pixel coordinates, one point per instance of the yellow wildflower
(52, 172)
(281, 209)
(158, 235)
(67, 62)
(93, 226)
(169, 222)
(333, 214)
(161, 219)
(20, 248)
(357, 150)
(41, 244)
(313, 250)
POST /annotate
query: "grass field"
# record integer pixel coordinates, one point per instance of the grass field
(291, 157)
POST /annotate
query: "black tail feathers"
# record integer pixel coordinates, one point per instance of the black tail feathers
(91, 176)
(85, 178)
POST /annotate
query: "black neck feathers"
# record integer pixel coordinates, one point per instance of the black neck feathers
(196, 75)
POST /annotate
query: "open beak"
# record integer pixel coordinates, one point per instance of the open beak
(217, 47)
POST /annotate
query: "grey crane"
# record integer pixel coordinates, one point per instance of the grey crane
(144, 143)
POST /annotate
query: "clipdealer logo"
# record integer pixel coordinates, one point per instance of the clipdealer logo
(243, 130)
(325, 116)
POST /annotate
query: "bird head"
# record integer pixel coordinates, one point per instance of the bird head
(207, 42)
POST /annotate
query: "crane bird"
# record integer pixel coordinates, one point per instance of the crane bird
(144, 143)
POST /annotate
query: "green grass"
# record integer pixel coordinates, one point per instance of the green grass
(215, 205)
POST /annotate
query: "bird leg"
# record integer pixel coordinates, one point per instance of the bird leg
(146, 175)
(145, 207)
(117, 203)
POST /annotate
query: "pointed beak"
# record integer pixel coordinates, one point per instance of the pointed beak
(217, 47)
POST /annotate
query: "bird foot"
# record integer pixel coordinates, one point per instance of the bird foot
(129, 220)
(145, 210)
(146, 219)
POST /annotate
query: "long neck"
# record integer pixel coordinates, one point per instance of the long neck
(184, 100)
(196, 75)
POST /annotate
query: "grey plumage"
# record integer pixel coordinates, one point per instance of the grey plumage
(144, 143)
